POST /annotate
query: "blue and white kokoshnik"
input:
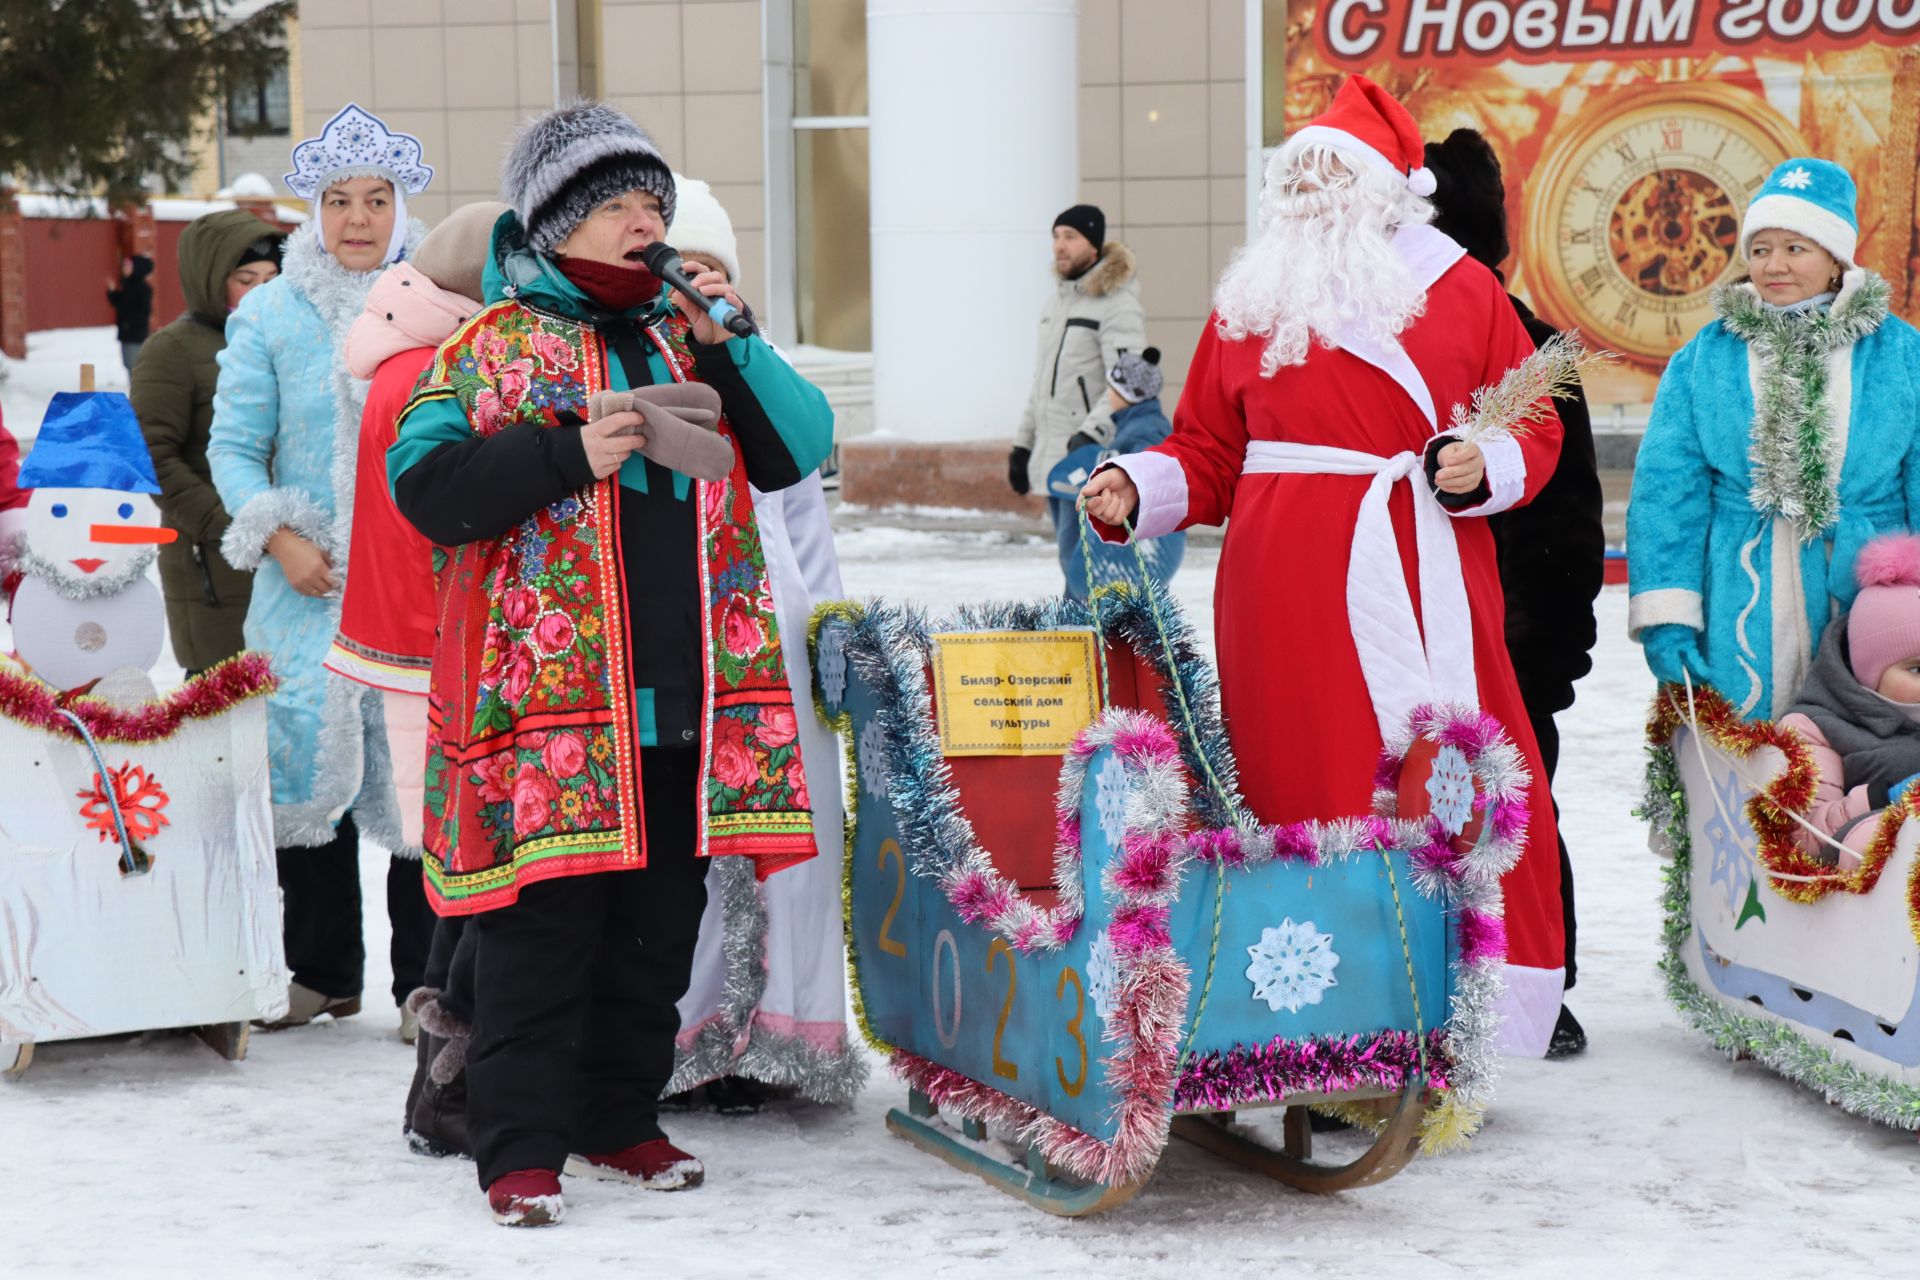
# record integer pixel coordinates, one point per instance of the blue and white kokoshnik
(357, 144)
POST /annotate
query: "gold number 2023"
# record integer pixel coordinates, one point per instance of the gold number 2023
(888, 943)
(1011, 1070)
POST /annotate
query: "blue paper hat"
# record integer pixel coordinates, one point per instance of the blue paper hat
(90, 440)
(1809, 197)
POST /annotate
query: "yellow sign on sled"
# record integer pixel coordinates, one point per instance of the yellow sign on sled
(1013, 693)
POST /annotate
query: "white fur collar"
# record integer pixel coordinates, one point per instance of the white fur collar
(339, 295)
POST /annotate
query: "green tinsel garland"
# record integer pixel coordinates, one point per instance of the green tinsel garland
(1775, 1044)
(1795, 474)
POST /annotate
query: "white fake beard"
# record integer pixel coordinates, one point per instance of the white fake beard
(1324, 263)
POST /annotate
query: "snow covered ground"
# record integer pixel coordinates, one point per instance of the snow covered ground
(53, 364)
(1650, 1156)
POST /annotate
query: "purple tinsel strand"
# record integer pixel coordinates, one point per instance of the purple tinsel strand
(1147, 741)
(1509, 819)
(1144, 867)
(1137, 929)
(972, 896)
(1282, 1068)
(1295, 843)
(1064, 928)
(1376, 832)
(1482, 937)
(1386, 773)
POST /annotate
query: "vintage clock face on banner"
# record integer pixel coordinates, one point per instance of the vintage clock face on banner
(1634, 214)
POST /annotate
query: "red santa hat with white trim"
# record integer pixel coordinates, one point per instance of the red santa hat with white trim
(1369, 124)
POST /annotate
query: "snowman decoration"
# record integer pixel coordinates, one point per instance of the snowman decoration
(85, 606)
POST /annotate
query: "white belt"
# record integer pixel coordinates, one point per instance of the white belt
(1402, 670)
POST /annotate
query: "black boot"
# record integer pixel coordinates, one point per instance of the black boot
(1569, 1037)
(439, 1117)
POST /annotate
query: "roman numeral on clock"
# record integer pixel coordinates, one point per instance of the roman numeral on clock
(1626, 315)
(1591, 279)
(1674, 331)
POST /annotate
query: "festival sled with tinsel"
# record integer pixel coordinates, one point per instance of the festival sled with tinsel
(1073, 956)
(1808, 967)
(138, 889)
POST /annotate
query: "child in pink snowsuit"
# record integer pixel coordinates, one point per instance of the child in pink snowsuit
(1860, 708)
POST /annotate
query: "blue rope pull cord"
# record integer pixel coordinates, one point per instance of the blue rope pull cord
(133, 859)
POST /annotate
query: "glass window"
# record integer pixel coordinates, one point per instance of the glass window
(261, 107)
(833, 295)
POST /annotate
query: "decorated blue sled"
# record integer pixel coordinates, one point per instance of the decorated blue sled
(1075, 956)
(1808, 967)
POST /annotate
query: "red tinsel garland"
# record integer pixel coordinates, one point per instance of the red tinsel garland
(38, 705)
(1791, 792)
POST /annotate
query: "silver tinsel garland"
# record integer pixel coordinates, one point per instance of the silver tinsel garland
(1736, 1034)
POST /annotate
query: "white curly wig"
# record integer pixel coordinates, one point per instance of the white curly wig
(1324, 261)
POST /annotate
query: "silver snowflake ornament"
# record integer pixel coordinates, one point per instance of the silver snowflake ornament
(1110, 800)
(1292, 965)
(873, 760)
(833, 664)
(1450, 788)
(1103, 976)
(1798, 179)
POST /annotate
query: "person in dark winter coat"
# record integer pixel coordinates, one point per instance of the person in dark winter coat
(222, 256)
(1859, 710)
(132, 299)
(602, 718)
(1552, 551)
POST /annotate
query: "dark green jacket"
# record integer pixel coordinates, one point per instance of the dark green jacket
(172, 393)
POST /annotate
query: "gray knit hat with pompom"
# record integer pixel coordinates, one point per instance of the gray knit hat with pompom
(569, 161)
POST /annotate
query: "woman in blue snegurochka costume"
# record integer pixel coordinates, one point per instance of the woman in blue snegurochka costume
(1783, 437)
(285, 434)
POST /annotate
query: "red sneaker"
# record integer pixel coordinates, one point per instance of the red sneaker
(656, 1165)
(526, 1198)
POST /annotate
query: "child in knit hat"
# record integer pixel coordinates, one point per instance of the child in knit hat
(1132, 420)
(1860, 708)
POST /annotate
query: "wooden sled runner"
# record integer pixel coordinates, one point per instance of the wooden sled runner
(1778, 956)
(176, 925)
(1072, 958)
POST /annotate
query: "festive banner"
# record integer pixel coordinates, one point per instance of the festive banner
(1633, 134)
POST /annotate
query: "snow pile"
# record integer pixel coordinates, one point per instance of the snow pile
(54, 357)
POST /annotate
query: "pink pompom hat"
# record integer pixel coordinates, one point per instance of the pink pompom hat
(1884, 626)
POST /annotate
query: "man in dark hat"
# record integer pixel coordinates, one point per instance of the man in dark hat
(1093, 318)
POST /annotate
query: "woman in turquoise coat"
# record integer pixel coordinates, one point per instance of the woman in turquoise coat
(285, 435)
(1783, 437)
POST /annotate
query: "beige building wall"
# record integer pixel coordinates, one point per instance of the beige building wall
(1163, 151)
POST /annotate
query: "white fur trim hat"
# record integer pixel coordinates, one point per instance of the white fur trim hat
(701, 225)
(1809, 197)
(567, 162)
(1370, 125)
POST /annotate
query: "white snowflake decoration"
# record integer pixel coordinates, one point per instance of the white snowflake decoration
(1292, 965)
(833, 664)
(1110, 798)
(1798, 179)
(873, 760)
(1450, 788)
(1103, 976)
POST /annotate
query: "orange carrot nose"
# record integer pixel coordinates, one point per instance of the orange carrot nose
(133, 534)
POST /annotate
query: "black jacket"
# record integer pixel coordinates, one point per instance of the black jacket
(1552, 554)
(133, 302)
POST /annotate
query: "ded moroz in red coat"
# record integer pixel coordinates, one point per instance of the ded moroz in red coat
(1299, 711)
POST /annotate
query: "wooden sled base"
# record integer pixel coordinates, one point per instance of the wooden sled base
(1294, 1164)
(1045, 1187)
(228, 1039)
(1036, 1182)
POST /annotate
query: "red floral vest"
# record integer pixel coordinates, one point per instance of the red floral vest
(532, 762)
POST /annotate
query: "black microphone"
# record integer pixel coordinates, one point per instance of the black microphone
(664, 261)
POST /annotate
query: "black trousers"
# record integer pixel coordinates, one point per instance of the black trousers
(575, 986)
(412, 921)
(1548, 735)
(320, 891)
(450, 966)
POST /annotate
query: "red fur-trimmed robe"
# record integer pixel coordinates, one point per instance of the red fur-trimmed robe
(1298, 708)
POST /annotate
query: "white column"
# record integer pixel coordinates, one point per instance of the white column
(974, 149)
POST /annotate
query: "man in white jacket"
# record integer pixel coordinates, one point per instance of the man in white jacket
(1093, 319)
